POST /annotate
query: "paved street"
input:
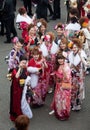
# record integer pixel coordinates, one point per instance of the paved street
(41, 120)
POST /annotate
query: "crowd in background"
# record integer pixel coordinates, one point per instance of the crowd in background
(42, 61)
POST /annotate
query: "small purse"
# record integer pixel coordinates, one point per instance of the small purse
(22, 82)
(66, 86)
(9, 76)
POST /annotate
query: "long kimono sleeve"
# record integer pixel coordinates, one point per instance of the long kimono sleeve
(24, 104)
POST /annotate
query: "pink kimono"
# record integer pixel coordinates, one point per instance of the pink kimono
(62, 97)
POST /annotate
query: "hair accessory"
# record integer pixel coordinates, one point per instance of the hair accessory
(47, 38)
(70, 44)
(15, 40)
(39, 24)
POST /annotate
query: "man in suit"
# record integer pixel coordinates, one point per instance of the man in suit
(8, 20)
(41, 9)
(28, 6)
(57, 10)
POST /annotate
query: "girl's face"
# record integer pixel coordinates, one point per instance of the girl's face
(75, 49)
(23, 63)
(61, 61)
(36, 57)
(18, 46)
(43, 29)
(62, 46)
(32, 31)
(59, 31)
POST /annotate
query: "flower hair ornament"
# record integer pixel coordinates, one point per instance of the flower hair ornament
(62, 26)
(47, 38)
(70, 44)
(85, 23)
(39, 24)
(15, 40)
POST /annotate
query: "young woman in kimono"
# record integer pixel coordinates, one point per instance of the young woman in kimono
(15, 53)
(61, 104)
(42, 27)
(18, 76)
(77, 60)
(23, 21)
(86, 45)
(63, 47)
(59, 28)
(49, 49)
(30, 40)
(37, 69)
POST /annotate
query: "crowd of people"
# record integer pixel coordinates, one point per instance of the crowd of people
(43, 62)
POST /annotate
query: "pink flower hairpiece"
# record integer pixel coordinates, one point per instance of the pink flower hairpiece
(15, 40)
(47, 38)
(62, 27)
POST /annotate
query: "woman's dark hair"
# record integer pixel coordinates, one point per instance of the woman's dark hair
(74, 19)
(22, 122)
(30, 26)
(22, 57)
(74, 11)
(59, 56)
(22, 10)
(88, 15)
(21, 40)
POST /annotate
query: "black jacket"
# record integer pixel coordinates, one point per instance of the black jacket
(8, 11)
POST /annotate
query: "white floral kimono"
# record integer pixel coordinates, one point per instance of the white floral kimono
(78, 90)
(25, 107)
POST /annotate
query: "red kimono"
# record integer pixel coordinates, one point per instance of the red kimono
(16, 94)
(38, 82)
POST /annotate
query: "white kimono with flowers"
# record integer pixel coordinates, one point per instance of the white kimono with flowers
(25, 107)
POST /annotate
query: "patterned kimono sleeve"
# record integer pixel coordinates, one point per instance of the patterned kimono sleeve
(68, 73)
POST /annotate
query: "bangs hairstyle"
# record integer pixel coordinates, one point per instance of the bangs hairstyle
(21, 40)
(59, 56)
(23, 58)
(22, 10)
(52, 36)
(59, 25)
(77, 42)
(43, 21)
(64, 40)
(22, 122)
(35, 51)
(30, 26)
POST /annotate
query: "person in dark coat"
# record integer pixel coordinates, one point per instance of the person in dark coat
(50, 9)
(8, 19)
(14, 2)
(41, 9)
(57, 10)
(28, 6)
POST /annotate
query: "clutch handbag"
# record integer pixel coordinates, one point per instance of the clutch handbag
(22, 82)
(66, 86)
